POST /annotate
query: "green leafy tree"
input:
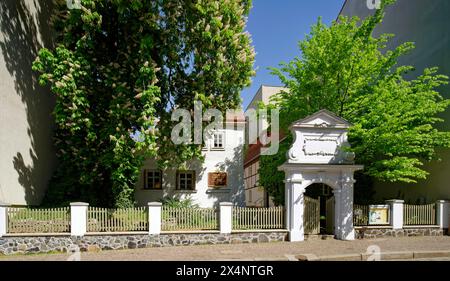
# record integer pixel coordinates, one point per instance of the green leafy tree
(119, 68)
(347, 70)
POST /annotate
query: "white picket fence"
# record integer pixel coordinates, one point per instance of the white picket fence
(80, 219)
(117, 220)
(258, 218)
(173, 219)
(31, 220)
(59, 220)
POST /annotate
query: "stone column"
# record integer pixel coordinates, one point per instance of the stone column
(295, 205)
(3, 219)
(396, 207)
(78, 218)
(154, 218)
(287, 206)
(337, 192)
(347, 230)
(343, 209)
(226, 215)
(442, 213)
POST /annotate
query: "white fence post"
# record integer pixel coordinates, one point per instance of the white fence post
(226, 209)
(78, 218)
(3, 219)
(442, 213)
(154, 217)
(396, 214)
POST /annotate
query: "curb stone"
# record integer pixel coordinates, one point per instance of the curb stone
(346, 257)
(390, 255)
(431, 254)
(271, 259)
(384, 256)
(307, 257)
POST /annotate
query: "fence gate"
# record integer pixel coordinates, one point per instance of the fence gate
(311, 216)
(330, 215)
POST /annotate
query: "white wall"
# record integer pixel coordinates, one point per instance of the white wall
(263, 94)
(229, 160)
(27, 157)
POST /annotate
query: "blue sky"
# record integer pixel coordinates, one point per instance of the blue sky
(276, 27)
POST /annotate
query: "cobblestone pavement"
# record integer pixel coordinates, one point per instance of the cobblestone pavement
(261, 251)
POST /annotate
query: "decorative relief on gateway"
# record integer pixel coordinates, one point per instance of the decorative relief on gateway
(317, 146)
(293, 155)
(322, 125)
(320, 138)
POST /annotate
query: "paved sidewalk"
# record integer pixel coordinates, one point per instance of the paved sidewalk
(263, 251)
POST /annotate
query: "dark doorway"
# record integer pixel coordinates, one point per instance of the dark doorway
(324, 194)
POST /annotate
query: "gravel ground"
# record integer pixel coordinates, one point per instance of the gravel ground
(262, 251)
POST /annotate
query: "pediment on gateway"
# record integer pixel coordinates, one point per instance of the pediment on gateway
(322, 119)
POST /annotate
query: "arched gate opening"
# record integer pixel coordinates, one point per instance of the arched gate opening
(319, 207)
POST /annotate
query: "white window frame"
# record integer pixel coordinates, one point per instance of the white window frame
(219, 133)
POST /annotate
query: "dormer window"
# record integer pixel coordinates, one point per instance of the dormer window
(218, 141)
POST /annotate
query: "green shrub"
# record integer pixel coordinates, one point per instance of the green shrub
(178, 203)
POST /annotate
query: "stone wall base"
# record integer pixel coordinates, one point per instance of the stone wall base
(362, 232)
(45, 244)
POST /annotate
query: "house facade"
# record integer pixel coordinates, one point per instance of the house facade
(219, 178)
(27, 154)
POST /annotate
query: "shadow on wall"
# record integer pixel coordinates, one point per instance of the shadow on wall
(23, 33)
(235, 170)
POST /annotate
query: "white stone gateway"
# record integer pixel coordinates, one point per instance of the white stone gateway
(318, 155)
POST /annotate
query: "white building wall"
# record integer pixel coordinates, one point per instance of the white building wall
(27, 156)
(229, 160)
(263, 95)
